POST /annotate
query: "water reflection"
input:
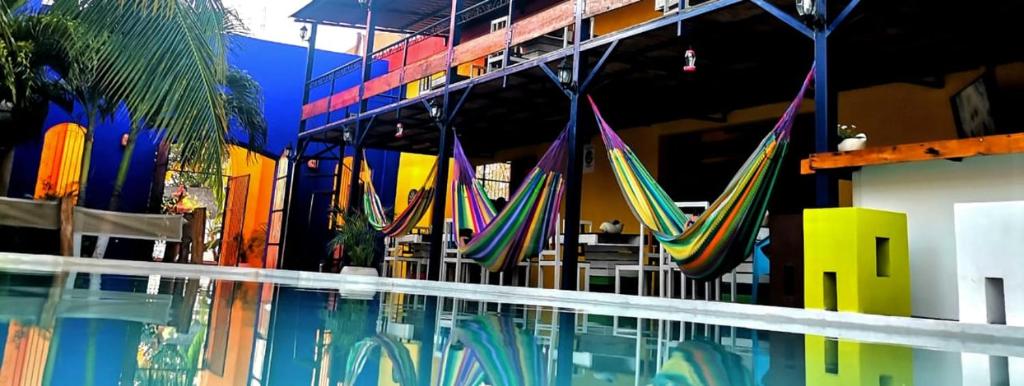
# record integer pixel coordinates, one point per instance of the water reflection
(119, 330)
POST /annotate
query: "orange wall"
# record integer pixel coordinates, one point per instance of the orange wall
(627, 16)
(260, 170)
(24, 359)
(240, 339)
(61, 161)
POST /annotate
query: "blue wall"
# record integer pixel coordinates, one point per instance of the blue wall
(280, 70)
(107, 153)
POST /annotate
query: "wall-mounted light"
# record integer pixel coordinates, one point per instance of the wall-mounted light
(690, 61)
(435, 110)
(313, 164)
(347, 135)
(806, 8)
(304, 33)
(124, 139)
(399, 130)
(565, 73)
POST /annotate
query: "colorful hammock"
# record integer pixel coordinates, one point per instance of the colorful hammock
(724, 235)
(404, 369)
(471, 208)
(492, 351)
(702, 364)
(521, 229)
(405, 221)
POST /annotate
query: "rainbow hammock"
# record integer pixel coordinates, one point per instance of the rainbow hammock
(359, 353)
(471, 208)
(702, 364)
(724, 235)
(405, 221)
(522, 227)
(489, 350)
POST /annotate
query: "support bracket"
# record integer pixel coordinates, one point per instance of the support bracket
(785, 18)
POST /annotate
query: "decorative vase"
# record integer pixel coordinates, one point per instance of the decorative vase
(855, 143)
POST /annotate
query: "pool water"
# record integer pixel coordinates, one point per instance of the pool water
(92, 329)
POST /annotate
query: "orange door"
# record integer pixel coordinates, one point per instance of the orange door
(234, 218)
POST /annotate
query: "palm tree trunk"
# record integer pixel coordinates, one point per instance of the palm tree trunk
(83, 179)
(122, 171)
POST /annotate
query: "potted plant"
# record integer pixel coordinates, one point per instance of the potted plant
(852, 139)
(356, 238)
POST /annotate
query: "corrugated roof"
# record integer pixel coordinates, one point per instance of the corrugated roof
(391, 15)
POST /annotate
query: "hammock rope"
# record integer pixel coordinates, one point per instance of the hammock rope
(724, 235)
(528, 219)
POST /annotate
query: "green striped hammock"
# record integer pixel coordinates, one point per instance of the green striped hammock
(525, 224)
(488, 350)
(724, 235)
(359, 353)
(405, 221)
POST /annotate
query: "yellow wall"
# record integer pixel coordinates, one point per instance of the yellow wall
(412, 172)
(260, 170)
(859, 364)
(627, 16)
(889, 114)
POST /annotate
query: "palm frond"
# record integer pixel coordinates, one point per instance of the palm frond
(166, 60)
(244, 104)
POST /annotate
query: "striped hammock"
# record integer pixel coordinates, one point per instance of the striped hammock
(492, 351)
(403, 367)
(471, 208)
(724, 235)
(702, 364)
(405, 221)
(522, 227)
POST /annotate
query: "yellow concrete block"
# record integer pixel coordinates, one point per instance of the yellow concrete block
(843, 363)
(856, 260)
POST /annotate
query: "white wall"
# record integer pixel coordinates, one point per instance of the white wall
(926, 192)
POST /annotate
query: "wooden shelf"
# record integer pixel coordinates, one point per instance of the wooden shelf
(925, 151)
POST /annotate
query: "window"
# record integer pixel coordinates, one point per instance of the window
(495, 179)
(882, 261)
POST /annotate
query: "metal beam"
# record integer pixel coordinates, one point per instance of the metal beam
(597, 67)
(594, 43)
(357, 155)
(310, 57)
(443, 154)
(785, 17)
(825, 111)
(843, 15)
(574, 171)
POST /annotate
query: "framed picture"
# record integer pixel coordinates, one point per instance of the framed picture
(973, 108)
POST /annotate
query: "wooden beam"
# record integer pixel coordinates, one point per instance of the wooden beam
(67, 234)
(524, 30)
(924, 151)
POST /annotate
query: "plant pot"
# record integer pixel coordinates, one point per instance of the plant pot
(853, 144)
(359, 271)
(358, 293)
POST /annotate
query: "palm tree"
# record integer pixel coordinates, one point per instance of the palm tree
(165, 60)
(243, 99)
(28, 50)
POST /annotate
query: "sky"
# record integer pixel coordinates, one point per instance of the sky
(270, 20)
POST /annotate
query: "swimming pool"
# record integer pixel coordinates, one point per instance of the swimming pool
(90, 322)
